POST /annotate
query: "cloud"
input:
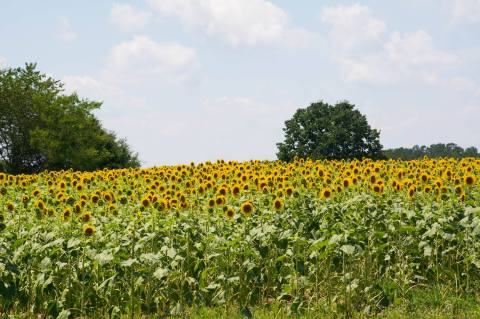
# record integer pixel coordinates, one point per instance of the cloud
(142, 57)
(237, 22)
(244, 128)
(128, 18)
(3, 61)
(64, 31)
(366, 53)
(465, 11)
(99, 90)
(462, 84)
(404, 56)
(416, 48)
(138, 61)
(352, 25)
(235, 127)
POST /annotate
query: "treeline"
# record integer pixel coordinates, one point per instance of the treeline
(42, 128)
(432, 151)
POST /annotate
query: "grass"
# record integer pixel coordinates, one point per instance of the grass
(440, 303)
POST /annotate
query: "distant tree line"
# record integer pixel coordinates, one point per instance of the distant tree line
(42, 128)
(432, 151)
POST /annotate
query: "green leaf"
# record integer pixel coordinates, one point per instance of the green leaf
(160, 273)
(45, 264)
(128, 262)
(348, 249)
(104, 257)
(73, 242)
(64, 314)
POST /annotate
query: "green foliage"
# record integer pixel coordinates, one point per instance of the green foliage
(354, 254)
(42, 128)
(432, 151)
(324, 131)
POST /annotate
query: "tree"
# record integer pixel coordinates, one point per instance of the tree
(432, 151)
(43, 128)
(324, 131)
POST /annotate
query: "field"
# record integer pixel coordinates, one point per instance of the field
(308, 238)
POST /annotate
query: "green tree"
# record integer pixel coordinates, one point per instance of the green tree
(42, 128)
(324, 131)
(432, 151)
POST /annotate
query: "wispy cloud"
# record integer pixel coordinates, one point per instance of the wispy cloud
(236, 22)
(65, 32)
(465, 11)
(129, 18)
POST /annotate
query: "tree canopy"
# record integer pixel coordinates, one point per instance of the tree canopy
(324, 131)
(41, 128)
(432, 151)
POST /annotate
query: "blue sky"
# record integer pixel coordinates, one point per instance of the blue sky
(195, 80)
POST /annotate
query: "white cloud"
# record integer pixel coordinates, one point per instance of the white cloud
(128, 18)
(404, 56)
(65, 32)
(237, 22)
(89, 86)
(138, 61)
(97, 89)
(143, 57)
(244, 128)
(367, 54)
(462, 84)
(352, 25)
(231, 127)
(3, 61)
(416, 48)
(465, 11)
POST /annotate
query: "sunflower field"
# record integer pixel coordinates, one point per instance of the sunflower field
(356, 236)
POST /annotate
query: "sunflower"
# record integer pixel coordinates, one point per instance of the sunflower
(10, 206)
(326, 193)
(424, 177)
(89, 229)
(469, 180)
(235, 190)
(95, 199)
(220, 200)
(458, 190)
(230, 213)
(66, 214)
(40, 204)
(211, 202)
(378, 188)
(278, 204)
(289, 191)
(411, 192)
(107, 196)
(145, 202)
(247, 208)
(86, 217)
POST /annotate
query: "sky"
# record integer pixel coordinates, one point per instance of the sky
(197, 80)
